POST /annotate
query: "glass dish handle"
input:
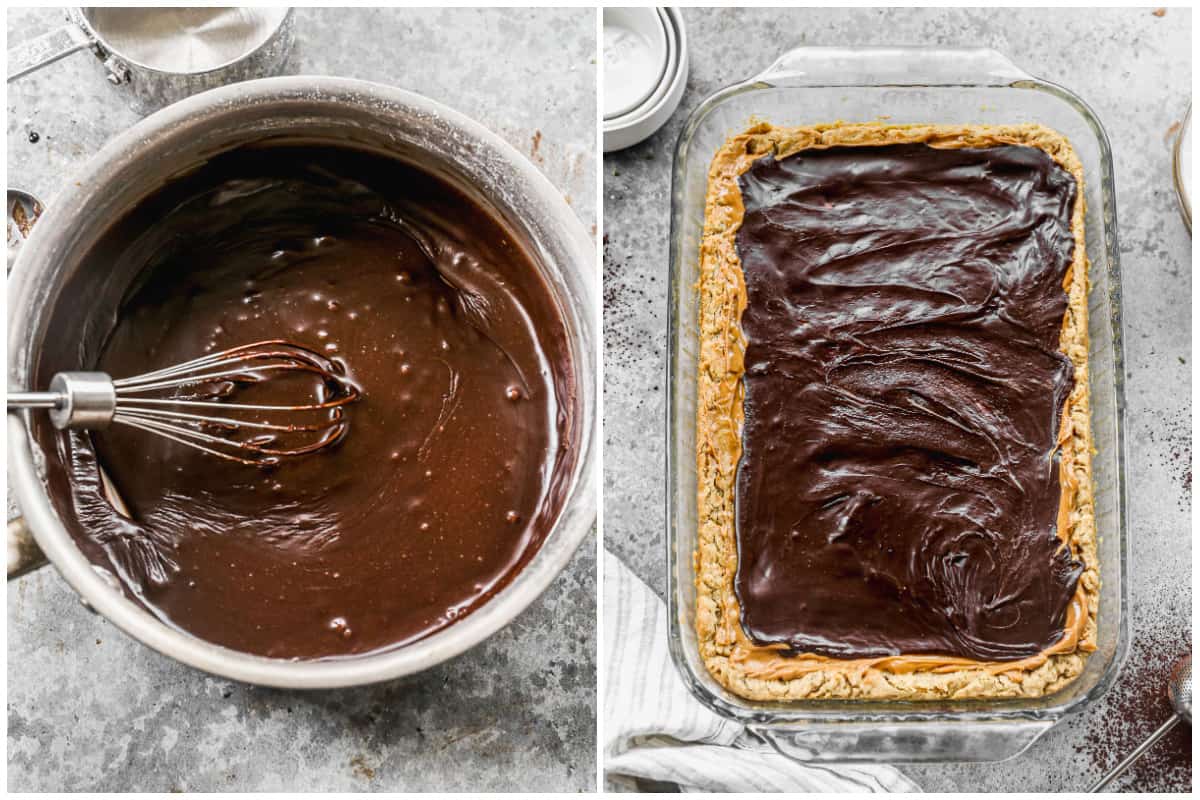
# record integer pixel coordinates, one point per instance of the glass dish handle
(905, 742)
(891, 66)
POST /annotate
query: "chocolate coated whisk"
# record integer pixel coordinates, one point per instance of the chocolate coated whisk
(165, 402)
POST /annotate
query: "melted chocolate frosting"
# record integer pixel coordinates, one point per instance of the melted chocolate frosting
(456, 460)
(898, 491)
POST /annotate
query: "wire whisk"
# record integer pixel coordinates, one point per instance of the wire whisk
(190, 403)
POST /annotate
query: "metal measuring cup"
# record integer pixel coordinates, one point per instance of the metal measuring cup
(161, 55)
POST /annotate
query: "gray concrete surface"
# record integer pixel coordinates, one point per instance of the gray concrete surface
(88, 709)
(1134, 69)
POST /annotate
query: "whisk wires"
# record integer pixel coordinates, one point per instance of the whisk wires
(283, 431)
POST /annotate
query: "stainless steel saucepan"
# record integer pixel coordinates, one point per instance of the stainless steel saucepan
(175, 141)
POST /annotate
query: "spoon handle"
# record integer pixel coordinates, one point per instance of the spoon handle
(1137, 753)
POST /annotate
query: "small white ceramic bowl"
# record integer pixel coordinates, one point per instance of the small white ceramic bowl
(664, 85)
(635, 57)
(629, 129)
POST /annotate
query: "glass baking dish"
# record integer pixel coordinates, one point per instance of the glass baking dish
(821, 84)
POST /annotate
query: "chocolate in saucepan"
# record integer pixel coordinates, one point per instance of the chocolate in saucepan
(455, 464)
(898, 490)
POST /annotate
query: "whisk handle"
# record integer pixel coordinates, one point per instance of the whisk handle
(76, 400)
(34, 400)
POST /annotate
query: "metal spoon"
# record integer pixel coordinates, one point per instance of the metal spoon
(1179, 690)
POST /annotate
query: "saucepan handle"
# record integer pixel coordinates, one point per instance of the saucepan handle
(46, 49)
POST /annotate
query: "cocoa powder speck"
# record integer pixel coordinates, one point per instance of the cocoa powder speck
(1134, 707)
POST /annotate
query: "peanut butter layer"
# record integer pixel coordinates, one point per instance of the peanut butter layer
(998, 596)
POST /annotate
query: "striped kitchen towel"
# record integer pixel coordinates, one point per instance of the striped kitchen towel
(655, 730)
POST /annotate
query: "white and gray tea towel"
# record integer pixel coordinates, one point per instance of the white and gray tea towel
(655, 730)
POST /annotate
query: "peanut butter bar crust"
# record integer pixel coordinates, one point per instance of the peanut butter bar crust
(893, 441)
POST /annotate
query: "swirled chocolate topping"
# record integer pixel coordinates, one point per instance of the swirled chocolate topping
(456, 461)
(898, 491)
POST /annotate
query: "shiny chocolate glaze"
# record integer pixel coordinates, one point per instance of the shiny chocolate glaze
(898, 491)
(456, 460)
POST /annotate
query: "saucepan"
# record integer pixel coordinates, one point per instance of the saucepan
(178, 139)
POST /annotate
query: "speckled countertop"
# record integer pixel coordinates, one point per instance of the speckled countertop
(1134, 68)
(90, 710)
